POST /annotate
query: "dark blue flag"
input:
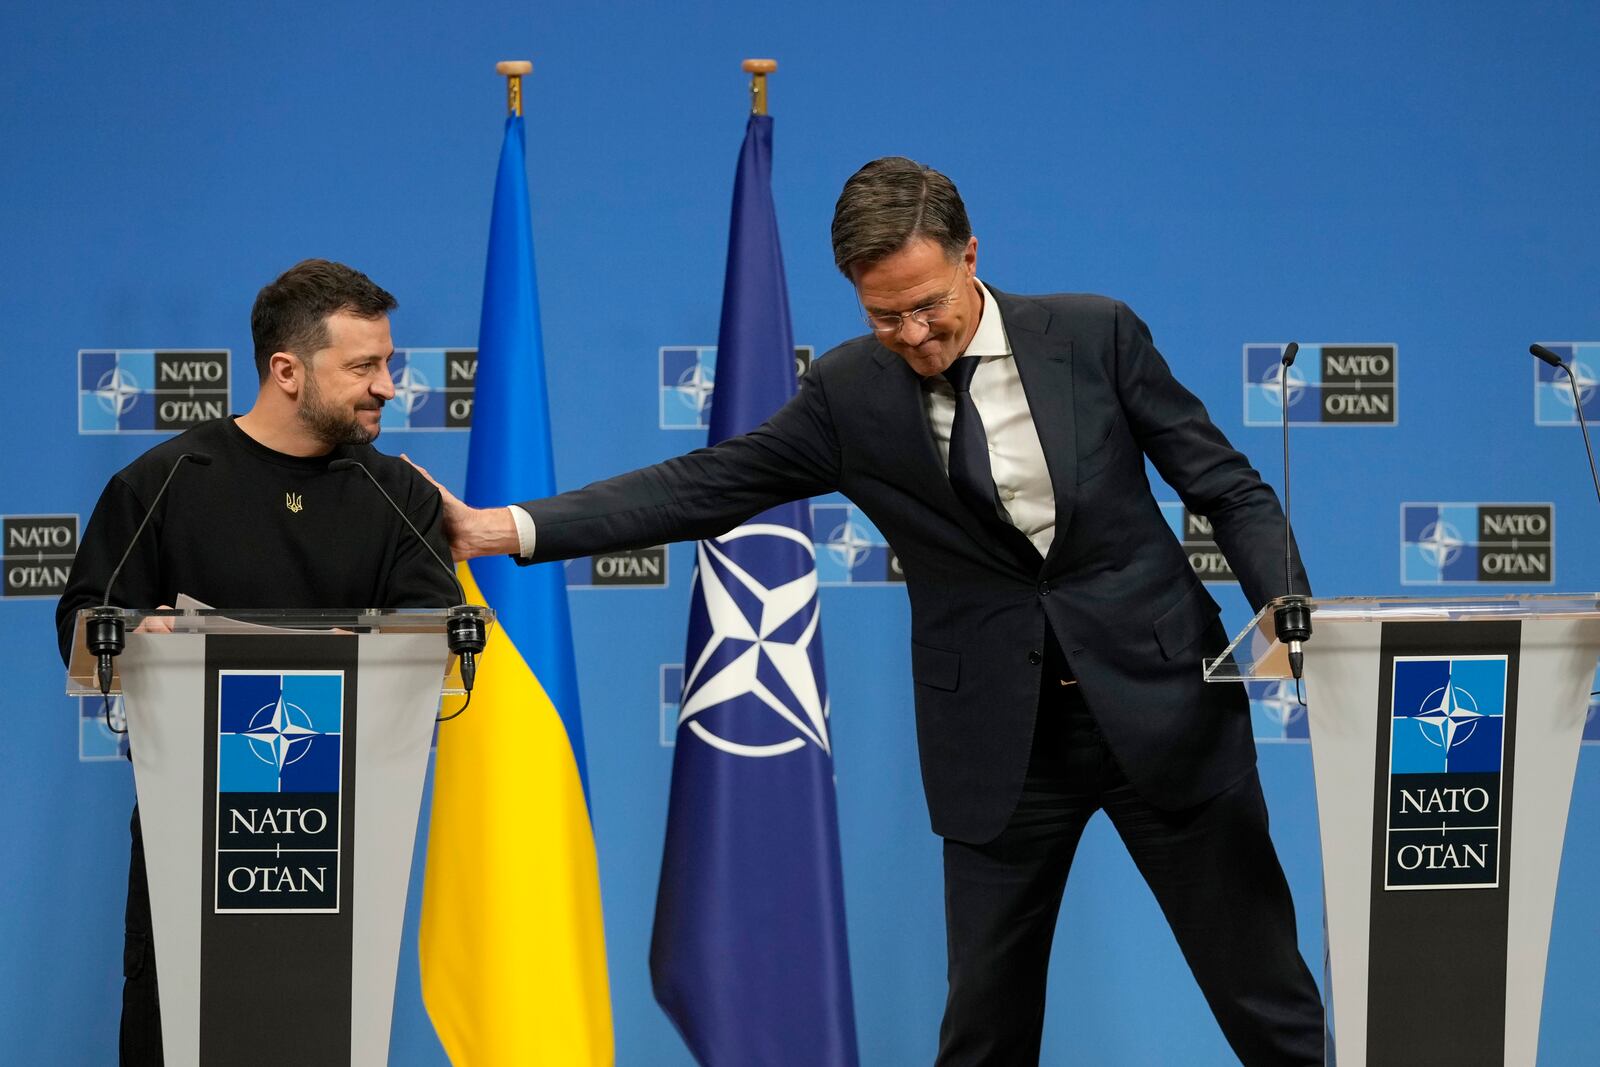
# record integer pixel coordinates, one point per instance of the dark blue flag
(749, 957)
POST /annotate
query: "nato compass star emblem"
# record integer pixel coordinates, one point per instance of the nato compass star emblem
(1448, 717)
(1280, 702)
(761, 659)
(697, 384)
(1585, 381)
(411, 389)
(1439, 543)
(1294, 383)
(280, 734)
(849, 545)
(116, 390)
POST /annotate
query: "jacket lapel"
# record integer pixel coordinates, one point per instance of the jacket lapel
(1044, 363)
(908, 448)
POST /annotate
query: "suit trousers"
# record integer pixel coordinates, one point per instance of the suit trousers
(1213, 871)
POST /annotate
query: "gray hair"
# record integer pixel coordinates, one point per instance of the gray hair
(890, 201)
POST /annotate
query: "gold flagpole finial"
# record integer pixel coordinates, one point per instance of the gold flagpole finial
(513, 70)
(758, 69)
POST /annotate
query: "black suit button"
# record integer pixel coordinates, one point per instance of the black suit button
(1044, 588)
(1035, 657)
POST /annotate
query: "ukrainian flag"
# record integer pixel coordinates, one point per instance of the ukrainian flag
(513, 949)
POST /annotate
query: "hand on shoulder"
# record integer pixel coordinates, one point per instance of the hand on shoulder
(473, 532)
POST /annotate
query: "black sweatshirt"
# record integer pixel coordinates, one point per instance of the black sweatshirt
(259, 529)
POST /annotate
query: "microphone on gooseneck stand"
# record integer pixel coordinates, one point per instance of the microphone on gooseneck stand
(465, 633)
(1541, 352)
(105, 632)
(1291, 619)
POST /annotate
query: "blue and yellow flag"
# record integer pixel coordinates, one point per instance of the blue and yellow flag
(513, 949)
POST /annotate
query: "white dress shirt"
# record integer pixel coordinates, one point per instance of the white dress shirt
(1015, 456)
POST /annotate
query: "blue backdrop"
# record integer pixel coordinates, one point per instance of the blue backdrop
(1415, 175)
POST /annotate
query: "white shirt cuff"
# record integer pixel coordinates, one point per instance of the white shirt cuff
(525, 530)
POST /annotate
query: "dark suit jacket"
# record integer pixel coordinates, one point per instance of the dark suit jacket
(1131, 618)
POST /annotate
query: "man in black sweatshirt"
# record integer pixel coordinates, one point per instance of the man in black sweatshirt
(266, 524)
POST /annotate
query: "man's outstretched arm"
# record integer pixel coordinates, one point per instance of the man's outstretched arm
(474, 532)
(702, 494)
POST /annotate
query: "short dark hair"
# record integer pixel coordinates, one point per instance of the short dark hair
(888, 202)
(291, 314)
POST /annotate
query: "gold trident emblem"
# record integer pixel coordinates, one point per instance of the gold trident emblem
(293, 502)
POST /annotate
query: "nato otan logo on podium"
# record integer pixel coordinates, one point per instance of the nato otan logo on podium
(1329, 385)
(850, 550)
(1446, 753)
(1463, 544)
(433, 389)
(1199, 543)
(278, 800)
(142, 390)
(689, 378)
(37, 554)
(1552, 393)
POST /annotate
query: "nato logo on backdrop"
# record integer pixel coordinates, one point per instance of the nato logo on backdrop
(1552, 392)
(671, 701)
(1199, 542)
(142, 390)
(1446, 753)
(37, 554)
(97, 742)
(638, 566)
(433, 389)
(1451, 544)
(279, 774)
(689, 377)
(1276, 713)
(850, 550)
(1329, 384)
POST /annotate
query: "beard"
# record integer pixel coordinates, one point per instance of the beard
(330, 425)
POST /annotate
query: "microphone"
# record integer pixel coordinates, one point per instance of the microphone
(465, 633)
(1291, 619)
(1548, 356)
(104, 634)
(1543, 353)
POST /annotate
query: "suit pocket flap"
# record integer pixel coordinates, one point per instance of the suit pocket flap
(1177, 629)
(935, 666)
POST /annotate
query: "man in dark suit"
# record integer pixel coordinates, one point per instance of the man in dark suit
(999, 443)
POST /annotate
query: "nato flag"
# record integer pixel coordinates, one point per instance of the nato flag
(749, 957)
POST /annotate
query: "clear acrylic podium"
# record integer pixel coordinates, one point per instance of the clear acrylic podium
(279, 759)
(1444, 737)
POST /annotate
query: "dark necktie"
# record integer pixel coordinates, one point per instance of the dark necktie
(970, 473)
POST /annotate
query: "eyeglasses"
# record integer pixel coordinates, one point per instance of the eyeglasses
(888, 322)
